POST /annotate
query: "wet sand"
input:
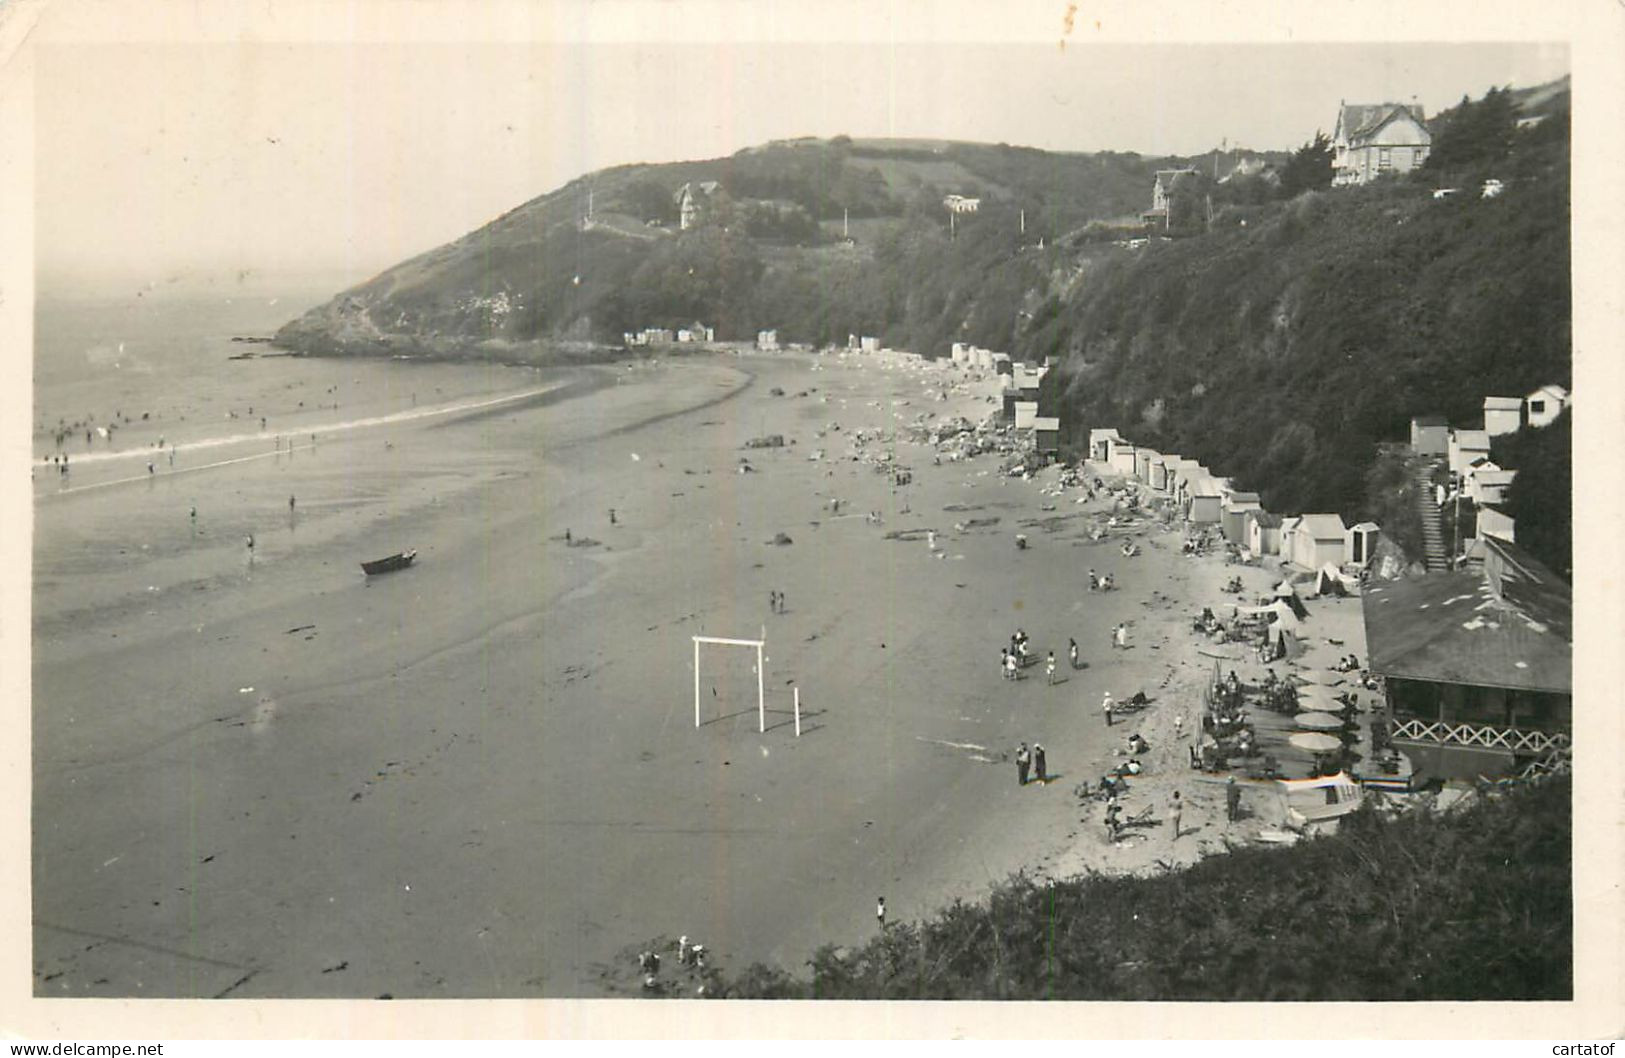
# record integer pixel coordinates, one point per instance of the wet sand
(481, 776)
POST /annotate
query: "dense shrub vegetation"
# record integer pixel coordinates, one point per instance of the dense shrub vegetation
(1472, 905)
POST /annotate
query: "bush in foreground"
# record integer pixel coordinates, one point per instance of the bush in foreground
(1474, 905)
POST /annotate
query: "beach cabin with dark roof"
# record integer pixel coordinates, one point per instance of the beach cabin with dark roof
(1466, 448)
(1206, 501)
(1047, 435)
(1314, 540)
(1157, 474)
(1263, 532)
(1486, 486)
(1502, 415)
(1233, 517)
(1142, 463)
(1477, 665)
(1430, 435)
(1361, 544)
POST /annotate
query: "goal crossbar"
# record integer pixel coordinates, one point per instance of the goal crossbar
(761, 687)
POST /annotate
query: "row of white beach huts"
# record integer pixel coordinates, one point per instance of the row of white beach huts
(1308, 540)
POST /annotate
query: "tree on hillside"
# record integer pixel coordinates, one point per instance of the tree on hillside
(649, 200)
(1188, 204)
(1474, 133)
(1309, 168)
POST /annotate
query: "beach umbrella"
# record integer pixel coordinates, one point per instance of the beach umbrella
(1321, 698)
(1314, 742)
(1318, 721)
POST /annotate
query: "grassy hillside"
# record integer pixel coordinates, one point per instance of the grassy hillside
(1471, 905)
(1279, 352)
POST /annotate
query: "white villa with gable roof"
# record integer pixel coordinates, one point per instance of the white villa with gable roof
(1375, 139)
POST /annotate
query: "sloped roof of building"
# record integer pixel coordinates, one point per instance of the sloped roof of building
(1237, 499)
(1323, 526)
(1554, 390)
(1503, 403)
(1359, 121)
(1429, 420)
(1047, 422)
(1450, 628)
(1494, 477)
(1474, 439)
(1168, 176)
(1103, 433)
(1265, 519)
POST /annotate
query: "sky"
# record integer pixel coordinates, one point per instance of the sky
(160, 160)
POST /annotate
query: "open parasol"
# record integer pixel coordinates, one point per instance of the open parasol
(1318, 721)
(1315, 742)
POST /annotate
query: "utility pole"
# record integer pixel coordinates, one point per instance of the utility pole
(1455, 535)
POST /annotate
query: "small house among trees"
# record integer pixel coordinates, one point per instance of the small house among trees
(1162, 189)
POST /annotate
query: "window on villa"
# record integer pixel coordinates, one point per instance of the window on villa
(1385, 158)
(1537, 407)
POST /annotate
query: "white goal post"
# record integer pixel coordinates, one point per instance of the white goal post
(761, 687)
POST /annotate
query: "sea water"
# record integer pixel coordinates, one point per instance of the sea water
(127, 378)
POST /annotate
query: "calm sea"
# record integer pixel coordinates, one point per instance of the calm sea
(162, 370)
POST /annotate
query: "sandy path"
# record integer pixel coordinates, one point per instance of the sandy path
(481, 777)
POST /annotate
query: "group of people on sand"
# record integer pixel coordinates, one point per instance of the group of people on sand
(1032, 762)
(775, 601)
(1100, 581)
(1015, 657)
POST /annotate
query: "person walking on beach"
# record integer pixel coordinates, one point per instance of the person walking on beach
(1039, 771)
(567, 542)
(1106, 706)
(1010, 665)
(781, 602)
(151, 470)
(772, 601)
(1072, 652)
(1049, 668)
(290, 504)
(1023, 762)
(1177, 813)
(1232, 800)
(1004, 663)
(1179, 725)
(1122, 637)
(612, 516)
(880, 912)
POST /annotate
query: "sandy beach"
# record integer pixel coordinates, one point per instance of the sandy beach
(481, 776)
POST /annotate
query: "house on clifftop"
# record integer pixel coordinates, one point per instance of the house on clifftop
(1161, 188)
(1376, 139)
(689, 200)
